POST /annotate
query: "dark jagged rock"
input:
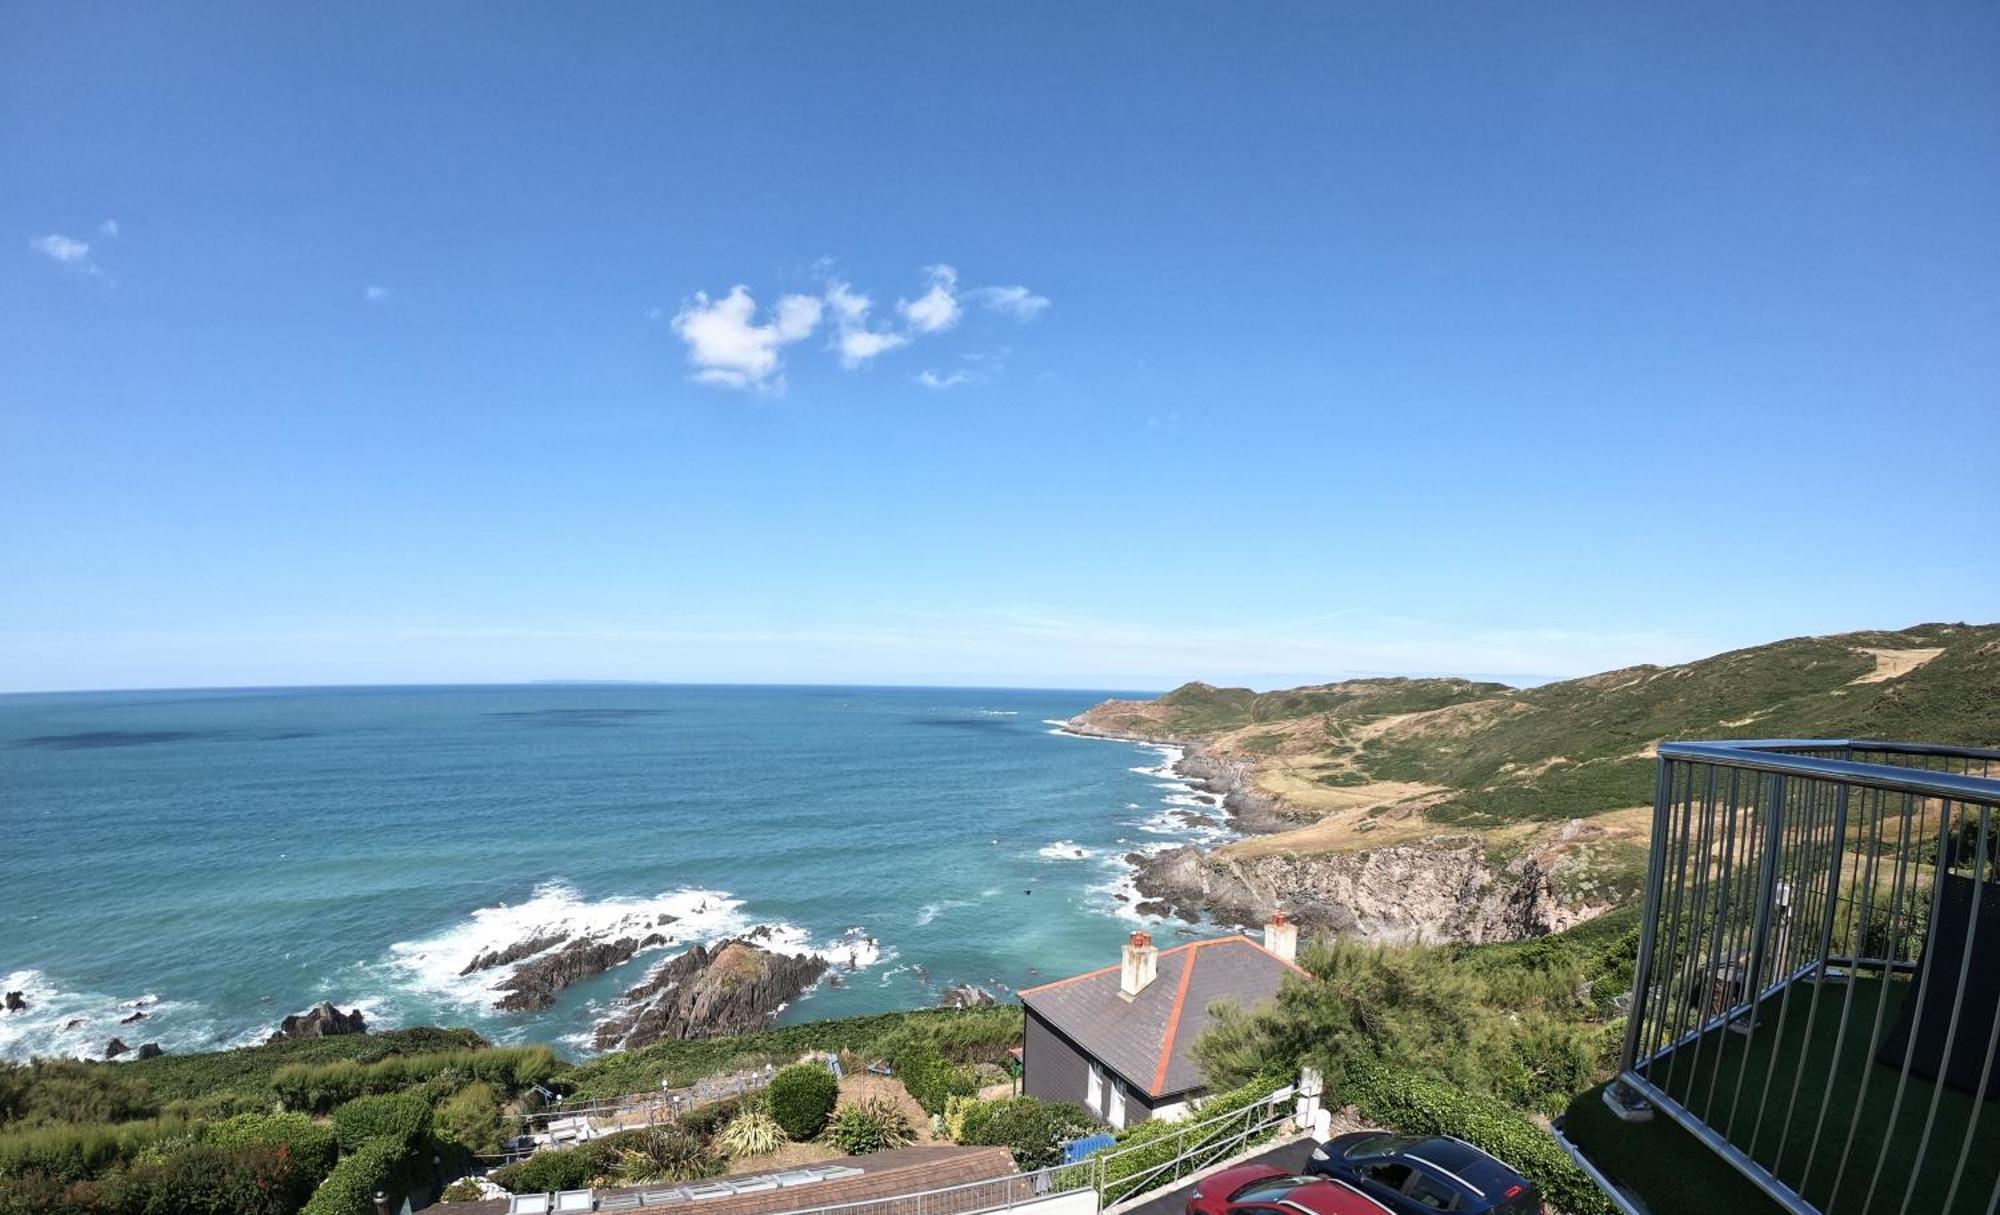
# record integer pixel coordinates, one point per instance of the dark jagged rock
(512, 953)
(149, 1050)
(537, 984)
(72, 1023)
(115, 1048)
(966, 995)
(16, 1002)
(134, 1019)
(321, 1021)
(736, 988)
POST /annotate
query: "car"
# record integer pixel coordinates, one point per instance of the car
(1418, 1175)
(1259, 1189)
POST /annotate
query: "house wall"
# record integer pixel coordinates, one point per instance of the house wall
(1053, 1068)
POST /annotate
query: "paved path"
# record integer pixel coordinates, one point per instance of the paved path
(1290, 1157)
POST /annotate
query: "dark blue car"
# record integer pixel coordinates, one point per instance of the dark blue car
(1412, 1175)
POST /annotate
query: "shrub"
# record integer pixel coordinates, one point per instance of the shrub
(751, 1133)
(1034, 1130)
(73, 1090)
(1143, 1148)
(398, 1116)
(313, 1147)
(957, 1112)
(801, 1097)
(204, 1179)
(319, 1087)
(667, 1153)
(560, 1169)
(379, 1164)
(871, 1125)
(927, 1075)
(1425, 1105)
(465, 1189)
(707, 1120)
(77, 1153)
(471, 1118)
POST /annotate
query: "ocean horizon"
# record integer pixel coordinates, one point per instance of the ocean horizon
(220, 858)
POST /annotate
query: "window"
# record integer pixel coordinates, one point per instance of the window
(1116, 1114)
(1095, 1099)
(1389, 1175)
(1431, 1193)
(1268, 1189)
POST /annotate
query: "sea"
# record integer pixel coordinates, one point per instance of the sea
(220, 859)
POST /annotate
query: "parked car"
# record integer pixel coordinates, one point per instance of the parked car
(1259, 1189)
(1414, 1175)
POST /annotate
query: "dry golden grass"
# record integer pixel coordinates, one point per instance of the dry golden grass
(1894, 664)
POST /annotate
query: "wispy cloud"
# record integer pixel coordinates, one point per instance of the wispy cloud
(729, 349)
(108, 228)
(374, 294)
(931, 379)
(856, 342)
(937, 309)
(70, 252)
(1017, 301)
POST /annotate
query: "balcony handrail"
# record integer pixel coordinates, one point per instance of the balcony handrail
(1767, 756)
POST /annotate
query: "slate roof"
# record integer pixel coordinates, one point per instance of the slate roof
(1148, 1039)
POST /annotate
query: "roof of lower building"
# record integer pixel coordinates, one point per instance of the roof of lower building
(1148, 1039)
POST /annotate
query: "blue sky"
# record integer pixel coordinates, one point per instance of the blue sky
(1251, 343)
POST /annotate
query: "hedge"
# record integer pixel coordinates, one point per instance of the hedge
(314, 1147)
(399, 1116)
(1155, 1142)
(380, 1164)
(802, 1096)
(1421, 1105)
(472, 1119)
(76, 1153)
(317, 1088)
(1034, 1130)
(928, 1076)
(560, 1169)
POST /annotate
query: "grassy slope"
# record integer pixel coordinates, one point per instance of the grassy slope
(1483, 755)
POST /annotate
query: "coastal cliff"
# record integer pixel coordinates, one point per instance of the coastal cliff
(1449, 809)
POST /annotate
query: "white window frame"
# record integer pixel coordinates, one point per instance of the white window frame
(1095, 1092)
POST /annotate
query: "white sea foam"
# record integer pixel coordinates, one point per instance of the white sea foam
(80, 1024)
(929, 912)
(1064, 850)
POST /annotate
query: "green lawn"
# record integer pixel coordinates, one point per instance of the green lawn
(1723, 1076)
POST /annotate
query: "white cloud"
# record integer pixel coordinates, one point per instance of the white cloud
(727, 347)
(1017, 302)
(855, 341)
(63, 249)
(935, 310)
(109, 228)
(374, 294)
(931, 379)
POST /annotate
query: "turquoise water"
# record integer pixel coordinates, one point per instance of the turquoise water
(221, 859)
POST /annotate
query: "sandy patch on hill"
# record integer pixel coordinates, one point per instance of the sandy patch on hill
(1894, 664)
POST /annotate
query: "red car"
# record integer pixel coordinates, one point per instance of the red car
(1259, 1189)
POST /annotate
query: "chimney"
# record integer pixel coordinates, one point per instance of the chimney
(1142, 965)
(1281, 937)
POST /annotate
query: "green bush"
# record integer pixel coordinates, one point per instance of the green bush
(801, 1097)
(313, 1147)
(76, 1153)
(751, 1133)
(707, 1120)
(559, 1169)
(1034, 1130)
(399, 1116)
(317, 1088)
(73, 1090)
(471, 1118)
(667, 1152)
(205, 1179)
(873, 1125)
(1146, 1146)
(1424, 1105)
(380, 1164)
(928, 1075)
(465, 1189)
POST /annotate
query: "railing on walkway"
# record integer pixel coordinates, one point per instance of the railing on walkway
(1819, 962)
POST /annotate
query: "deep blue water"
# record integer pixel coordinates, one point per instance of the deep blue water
(231, 857)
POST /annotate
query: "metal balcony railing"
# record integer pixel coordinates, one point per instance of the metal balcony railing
(1817, 992)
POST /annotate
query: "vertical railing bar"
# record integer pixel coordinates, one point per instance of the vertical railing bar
(1774, 819)
(1838, 845)
(1656, 876)
(1799, 887)
(1992, 1041)
(1690, 947)
(1871, 867)
(1737, 891)
(1666, 1005)
(1721, 940)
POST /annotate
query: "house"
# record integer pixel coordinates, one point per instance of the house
(1119, 1041)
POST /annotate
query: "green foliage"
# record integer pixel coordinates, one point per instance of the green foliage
(317, 1088)
(398, 1116)
(313, 1146)
(74, 1153)
(659, 1153)
(976, 1035)
(1033, 1130)
(801, 1097)
(959, 1112)
(380, 1164)
(249, 1070)
(560, 1169)
(1425, 1105)
(471, 1118)
(465, 1189)
(871, 1125)
(1144, 1148)
(924, 1071)
(206, 1179)
(73, 1090)
(751, 1133)
(707, 1120)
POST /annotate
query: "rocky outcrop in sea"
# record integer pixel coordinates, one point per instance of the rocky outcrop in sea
(536, 984)
(966, 995)
(321, 1021)
(736, 987)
